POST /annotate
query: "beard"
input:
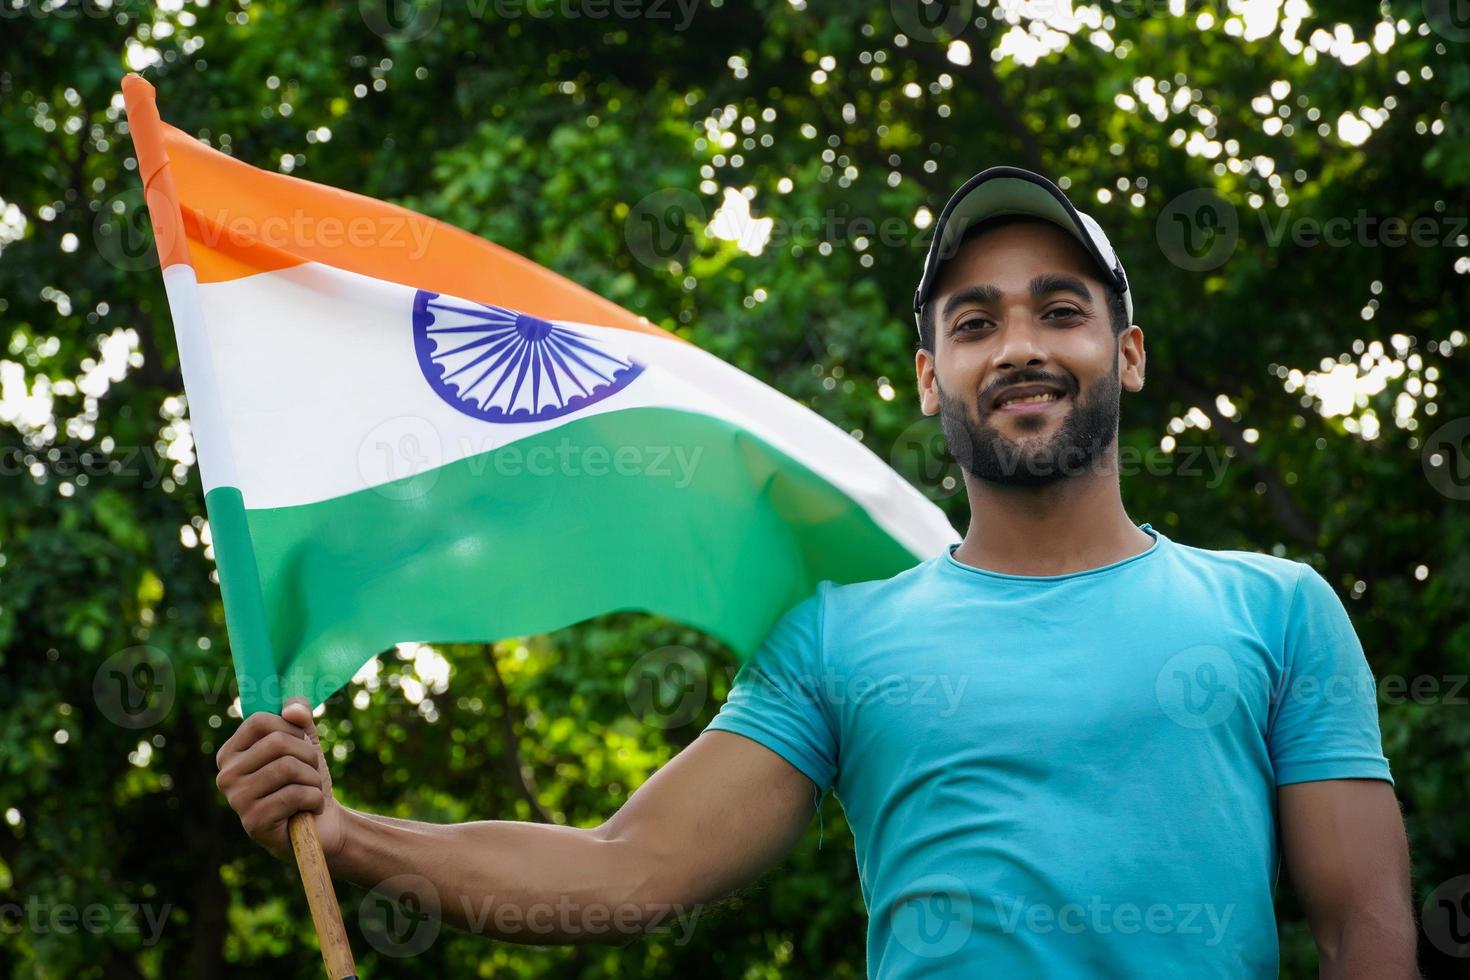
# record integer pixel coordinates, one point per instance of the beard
(1082, 439)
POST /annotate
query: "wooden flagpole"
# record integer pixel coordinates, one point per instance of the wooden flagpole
(331, 935)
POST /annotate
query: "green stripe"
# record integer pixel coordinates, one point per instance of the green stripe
(682, 514)
(250, 647)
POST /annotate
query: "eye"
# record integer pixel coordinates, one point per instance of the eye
(976, 322)
(1065, 311)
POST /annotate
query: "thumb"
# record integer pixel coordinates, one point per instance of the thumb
(298, 712)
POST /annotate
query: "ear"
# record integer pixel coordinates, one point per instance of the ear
(928, 392)
(1131, 357)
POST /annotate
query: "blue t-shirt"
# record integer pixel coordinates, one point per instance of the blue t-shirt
(1068, 775)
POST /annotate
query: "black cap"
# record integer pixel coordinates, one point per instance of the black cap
(1011, 190)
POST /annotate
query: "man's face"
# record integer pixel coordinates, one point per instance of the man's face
(1026, 373)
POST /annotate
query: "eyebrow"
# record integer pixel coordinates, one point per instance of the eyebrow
(1043, 285)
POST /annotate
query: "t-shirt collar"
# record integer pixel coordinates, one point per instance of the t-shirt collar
(1159, 537)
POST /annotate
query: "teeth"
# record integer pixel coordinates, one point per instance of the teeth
(1028, 399)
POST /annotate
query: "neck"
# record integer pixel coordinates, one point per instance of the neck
(1072, 525)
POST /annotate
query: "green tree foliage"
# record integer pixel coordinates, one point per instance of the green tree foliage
(601, 145)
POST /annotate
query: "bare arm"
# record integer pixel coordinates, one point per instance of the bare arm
(1344, 847)
(717, 815)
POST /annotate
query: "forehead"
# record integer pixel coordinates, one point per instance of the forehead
(1011, 255)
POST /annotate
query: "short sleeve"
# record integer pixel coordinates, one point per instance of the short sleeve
(777, 698)
(1324, 722)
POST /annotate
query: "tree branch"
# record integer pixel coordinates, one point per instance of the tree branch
(1283, 506)
(515, 766)
(981, 73)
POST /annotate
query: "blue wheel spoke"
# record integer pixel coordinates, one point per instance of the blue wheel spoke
(488, 353)
(576, 341)
(477, 328)
(439, 356)
(568, 369)
(573, 355)
(503, 376)
(550, 372)
(482, 314)
(535, 360)
(520, 376)
(553, 352)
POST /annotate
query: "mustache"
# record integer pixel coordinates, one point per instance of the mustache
(988, 396)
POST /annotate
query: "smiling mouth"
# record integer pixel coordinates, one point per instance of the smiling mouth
(1031, 399)
(1026, 401)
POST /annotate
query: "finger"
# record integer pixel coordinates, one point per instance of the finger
(252, 730)
(247, 798)
(278, 775)
(298, 712)
(274, 746)
(324, 771)
(277, 808)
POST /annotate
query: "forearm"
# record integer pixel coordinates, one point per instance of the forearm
(1369, 947)
(519, 882)
(1343, 842)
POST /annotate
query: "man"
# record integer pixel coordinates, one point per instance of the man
(1067, 747)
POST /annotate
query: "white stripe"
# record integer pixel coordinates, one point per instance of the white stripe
(201, 380)
(316, 372)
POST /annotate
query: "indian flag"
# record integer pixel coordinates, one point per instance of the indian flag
(407, 433)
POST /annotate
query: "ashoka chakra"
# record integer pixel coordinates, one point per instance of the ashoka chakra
(503, 366)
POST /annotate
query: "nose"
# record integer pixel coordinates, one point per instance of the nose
(1019, 346)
